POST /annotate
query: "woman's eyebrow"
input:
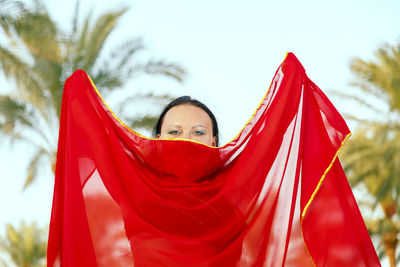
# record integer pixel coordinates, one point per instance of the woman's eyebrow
(196, 126)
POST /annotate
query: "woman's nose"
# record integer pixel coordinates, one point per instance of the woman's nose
(186, 135)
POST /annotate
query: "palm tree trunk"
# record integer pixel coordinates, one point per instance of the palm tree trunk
(390, 253)
(390, 243)
(54, 162)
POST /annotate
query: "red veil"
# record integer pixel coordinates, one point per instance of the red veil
(276, 195)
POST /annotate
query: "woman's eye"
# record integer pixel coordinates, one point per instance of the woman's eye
(173, 132)
(199, 132)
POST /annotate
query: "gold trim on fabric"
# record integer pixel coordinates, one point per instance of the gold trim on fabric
(315, 192)
(323, 176)
(134, 132)
(252, 116)
(109, 109)
(259, 105)
(305, 245)
(179, 139)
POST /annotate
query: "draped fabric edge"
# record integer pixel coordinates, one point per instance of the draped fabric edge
(323, 176)
(181, 139)
(318, 186)
(304, 212)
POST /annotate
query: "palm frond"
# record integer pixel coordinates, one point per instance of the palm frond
(38, 33)
(26, 245)
(34, 166)
(39, 56)
(11, 114)
(381, 76)
(359, 99)
(27, 81)
(369, 90)
(160, 67)
(50, 73)
(155, 100)
(75, 19)
(107, 80)
(78, 52)
(362, 121)
(384, 190)
(371, 158)
(140, 120)
(120, 59)
(15, 116)
(8, 11)
(98, 35)
(373, 155)
(144, 122)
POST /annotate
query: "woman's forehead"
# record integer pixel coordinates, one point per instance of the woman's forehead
(187, 114)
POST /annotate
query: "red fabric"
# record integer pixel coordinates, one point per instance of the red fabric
(274, 196)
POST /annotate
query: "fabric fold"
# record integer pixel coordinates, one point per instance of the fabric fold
(275, 195)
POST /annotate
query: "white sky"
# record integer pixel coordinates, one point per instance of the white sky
(231, 51)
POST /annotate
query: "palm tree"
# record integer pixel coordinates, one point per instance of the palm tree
(372, 157)
(37, 56)
(372, 160)
(26, 246)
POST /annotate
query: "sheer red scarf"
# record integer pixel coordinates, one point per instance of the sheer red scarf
(276, 195)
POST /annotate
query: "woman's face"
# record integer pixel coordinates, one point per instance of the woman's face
(188, 122)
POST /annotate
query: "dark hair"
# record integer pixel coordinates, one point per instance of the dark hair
(188, 101)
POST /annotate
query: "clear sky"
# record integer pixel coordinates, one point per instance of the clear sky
(231, 50)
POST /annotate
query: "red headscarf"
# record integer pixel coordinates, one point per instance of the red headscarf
(276, 195)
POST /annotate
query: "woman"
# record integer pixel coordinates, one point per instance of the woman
(187, 118)
(273, 196)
